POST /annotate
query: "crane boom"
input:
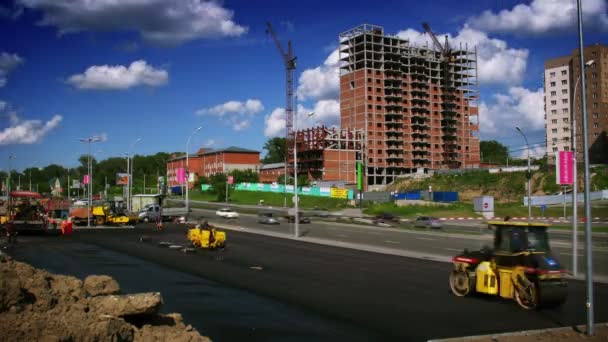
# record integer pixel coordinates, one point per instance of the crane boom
(290, 65)
(428, 30)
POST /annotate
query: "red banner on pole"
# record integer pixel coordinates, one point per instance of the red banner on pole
(564, 164)
(230, 179)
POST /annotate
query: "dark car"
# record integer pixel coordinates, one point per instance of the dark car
(301, 218)
(386, 218)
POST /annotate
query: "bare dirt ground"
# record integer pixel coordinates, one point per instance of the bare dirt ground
(36, 305)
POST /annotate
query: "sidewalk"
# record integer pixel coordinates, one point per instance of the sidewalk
(565, 334)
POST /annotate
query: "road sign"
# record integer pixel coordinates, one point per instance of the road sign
(485, 205)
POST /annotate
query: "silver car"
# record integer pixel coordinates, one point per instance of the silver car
(267, 218)
(427, 222)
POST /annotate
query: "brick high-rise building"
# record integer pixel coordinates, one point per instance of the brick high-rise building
(562, 77)
(416, 107)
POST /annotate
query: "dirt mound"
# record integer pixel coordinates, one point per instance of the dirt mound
(36, 305)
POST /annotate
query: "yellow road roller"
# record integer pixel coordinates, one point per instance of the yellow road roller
(207, 237)
(520, 267)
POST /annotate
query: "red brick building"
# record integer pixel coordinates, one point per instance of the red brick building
(417, 108)
(269, 173)
(207, 162)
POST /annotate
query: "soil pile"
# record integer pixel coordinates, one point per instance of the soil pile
(36, 305)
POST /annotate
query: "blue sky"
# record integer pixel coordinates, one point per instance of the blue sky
(158, 69)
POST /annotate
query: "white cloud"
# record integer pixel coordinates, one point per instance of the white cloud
(119, 77)
(521, 107)
(322, 82)
(210, 142)
(274, 124)
(543, 16)
(24, 131)
(251, 106)
(325, 112)
(536, 151)
(237, 113)
(102, 137)
(163, 22)
(496, 61)
(8, 62)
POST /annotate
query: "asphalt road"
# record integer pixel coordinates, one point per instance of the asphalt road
(386, 297)
(438, 243)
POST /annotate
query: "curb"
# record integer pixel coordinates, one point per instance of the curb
(495, 337)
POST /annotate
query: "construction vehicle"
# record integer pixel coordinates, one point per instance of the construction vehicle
(106, 213)
(25, 211)
(207, 237)
(520, 267)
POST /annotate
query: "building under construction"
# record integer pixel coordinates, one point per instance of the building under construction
(329, 154)
(416, 105)
(403, 109)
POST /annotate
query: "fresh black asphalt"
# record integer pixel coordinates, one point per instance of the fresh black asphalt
(385, 297)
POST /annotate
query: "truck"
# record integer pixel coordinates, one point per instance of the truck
(25, 210)
(152, 212)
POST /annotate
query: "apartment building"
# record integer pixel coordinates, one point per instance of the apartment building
(416, 106)
(557, 97)
(563, 78)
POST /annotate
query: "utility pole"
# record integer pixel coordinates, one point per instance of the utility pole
(529, 176)
(188, 170)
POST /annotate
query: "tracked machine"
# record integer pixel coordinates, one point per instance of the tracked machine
(520, 267)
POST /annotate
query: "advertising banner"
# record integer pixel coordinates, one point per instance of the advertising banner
(230, 180)
(564, 167)
(338, 193)
(86, 179)
(122, 179)
(180, 174)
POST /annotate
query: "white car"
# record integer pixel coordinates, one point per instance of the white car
(227, 213)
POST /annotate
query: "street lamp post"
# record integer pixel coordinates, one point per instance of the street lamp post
(89, 140)
(130, 172)
(296, 227)
(188, 170)
(588, 246)
(529, 176)
(575, 177)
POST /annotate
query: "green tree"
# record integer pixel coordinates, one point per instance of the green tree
(275, 148)
(245, 176)
(494, 152)
(218, 184)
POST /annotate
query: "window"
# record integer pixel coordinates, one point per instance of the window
(554, 140)
(554, 130)
(378, 80)
(566, 129)
(369, 88)
(555, 149)
(564, 72)
(553, 102)
(595, 115)
(352, 85)
(369, 79)
(565, 110)
(564, 91)
(565, 120)
(566, 148)
(564, 82)
(594, 95)
(553, 93)
(553, 111)
(552, 84)
(565, 101)
(596, 125)
(595, 105)
(552, 74)
(554, 121)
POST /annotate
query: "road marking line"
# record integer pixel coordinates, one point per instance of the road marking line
(453, 249)
(342, 235)
(390, 241)
(429, 239)
(579, 255)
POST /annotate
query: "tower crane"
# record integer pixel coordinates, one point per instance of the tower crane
(290, 65)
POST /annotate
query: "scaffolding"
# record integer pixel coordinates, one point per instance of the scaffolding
(417, 107)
